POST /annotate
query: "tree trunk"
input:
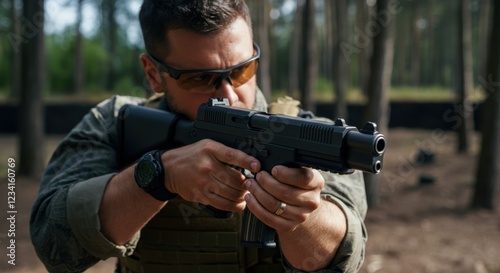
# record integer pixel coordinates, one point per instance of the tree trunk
(378, 89)
(432, 53)
(484, 23)
(15, 28)
(415, 53)
(330, 41)
(262, 26)
(295, 49)
(111, 26)
(402, 50)
(31, 125)
(341, 65)
(78, 66)
(309, 56)
(488, 170)
(363, 11)
(466, 124)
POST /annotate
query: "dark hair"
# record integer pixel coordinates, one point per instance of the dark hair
(200, 16)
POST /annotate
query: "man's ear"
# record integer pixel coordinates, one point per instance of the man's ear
(152, 73)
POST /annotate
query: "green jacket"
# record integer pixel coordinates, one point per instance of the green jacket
(65, 227)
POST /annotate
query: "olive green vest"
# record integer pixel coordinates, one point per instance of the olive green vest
(184, 238)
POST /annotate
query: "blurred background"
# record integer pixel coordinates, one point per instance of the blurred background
(427, 72)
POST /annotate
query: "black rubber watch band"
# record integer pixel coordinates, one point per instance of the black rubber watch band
(150, 175)
(161, 193)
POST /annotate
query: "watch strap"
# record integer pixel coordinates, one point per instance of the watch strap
(158, 189)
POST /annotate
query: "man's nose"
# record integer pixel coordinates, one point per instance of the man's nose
(226, 90)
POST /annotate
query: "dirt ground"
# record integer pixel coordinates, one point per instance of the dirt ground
(421, 228)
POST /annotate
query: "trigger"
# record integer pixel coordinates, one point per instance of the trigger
(248, 174)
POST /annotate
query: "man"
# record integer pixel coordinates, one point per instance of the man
(88, 209)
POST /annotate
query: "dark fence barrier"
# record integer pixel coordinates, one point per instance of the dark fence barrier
(61, 117)
(416, 115)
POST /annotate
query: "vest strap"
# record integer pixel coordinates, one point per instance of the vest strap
(183, 238)
(134, 266)
(190, 239)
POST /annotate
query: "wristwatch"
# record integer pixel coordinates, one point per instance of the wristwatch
(149, 176)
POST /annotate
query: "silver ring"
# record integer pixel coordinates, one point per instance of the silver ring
(280, 209)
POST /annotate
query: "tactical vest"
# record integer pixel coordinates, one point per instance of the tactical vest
(184, 238)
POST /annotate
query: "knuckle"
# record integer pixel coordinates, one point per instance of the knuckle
(204, 169)
(313, 204)
(302, 217)
(207, 145)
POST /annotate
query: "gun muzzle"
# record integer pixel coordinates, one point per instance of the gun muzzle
(365, 149)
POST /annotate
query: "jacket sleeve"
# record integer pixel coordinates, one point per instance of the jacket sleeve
(348, 192)
(64, 223)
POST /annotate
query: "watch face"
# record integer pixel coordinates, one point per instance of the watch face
(149, 175)
(146, 172)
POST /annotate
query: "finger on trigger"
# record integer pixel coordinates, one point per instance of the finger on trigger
(237, 158)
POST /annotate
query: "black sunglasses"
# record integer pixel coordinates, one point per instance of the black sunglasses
(201, 80)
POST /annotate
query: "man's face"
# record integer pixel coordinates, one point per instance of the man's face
(191, 51)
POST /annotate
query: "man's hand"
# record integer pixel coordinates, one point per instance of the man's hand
(310, 229)
(202, 173)
(298, 188)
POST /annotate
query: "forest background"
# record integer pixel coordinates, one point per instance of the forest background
(348, 51)
(344, 52)
(101, 41)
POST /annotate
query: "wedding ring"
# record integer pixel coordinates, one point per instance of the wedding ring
(280, 209)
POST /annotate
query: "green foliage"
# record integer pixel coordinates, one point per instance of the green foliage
(324, 86)
(438, 53)
(62, 61)
(126, 86)
(5, 70)
(95, 64)
(431, 93)
(59, 63)
(325, 91)
(6, 51)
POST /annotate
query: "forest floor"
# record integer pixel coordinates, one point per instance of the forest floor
(421, 228)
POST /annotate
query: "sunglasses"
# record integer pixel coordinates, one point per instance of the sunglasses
(202, 80)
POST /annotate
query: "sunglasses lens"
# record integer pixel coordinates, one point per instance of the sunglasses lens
(195, 81)
(242, 74)
(204, 82)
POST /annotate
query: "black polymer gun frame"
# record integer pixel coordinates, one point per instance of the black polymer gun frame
(272, 139)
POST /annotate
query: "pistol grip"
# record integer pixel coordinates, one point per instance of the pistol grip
(254, 233)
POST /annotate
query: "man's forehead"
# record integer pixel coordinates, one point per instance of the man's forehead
(187, 48)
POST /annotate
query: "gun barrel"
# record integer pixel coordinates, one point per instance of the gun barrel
(365, 151)
(366, 142)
